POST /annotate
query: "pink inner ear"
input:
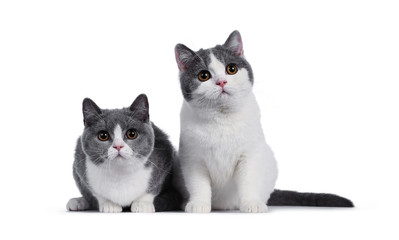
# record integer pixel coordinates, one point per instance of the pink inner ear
(240, 52)
(180, 64)
(239, 48)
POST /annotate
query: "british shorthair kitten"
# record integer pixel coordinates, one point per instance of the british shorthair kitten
(223, 156)
(122, 160)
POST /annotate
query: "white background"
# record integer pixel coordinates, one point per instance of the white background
(326, 79)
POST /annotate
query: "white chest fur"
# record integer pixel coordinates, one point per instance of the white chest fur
(121, 184)
(221, 140)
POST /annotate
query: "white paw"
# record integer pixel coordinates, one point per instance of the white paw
(110, 207)
(198, 207)
(253, 207)
(77, 204)
(142, 207)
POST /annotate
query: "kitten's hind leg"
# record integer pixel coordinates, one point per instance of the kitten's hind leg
(255, 178)
(77, 204)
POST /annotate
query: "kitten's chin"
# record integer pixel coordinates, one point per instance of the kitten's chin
(123, 161)
(118, 158)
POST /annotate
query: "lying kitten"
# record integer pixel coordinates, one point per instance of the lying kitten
(122, 160)
(223, 156)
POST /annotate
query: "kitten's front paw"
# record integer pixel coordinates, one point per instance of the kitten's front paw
(198, 207)
(253, 207)
(77, 204)
(142, 207)
(110, 207)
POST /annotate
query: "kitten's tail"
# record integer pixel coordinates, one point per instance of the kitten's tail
(292, 198)
(171, 200)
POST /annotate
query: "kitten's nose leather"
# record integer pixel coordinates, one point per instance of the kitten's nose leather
(118, 147)
(221, 83)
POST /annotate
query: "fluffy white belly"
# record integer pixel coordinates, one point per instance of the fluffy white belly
(121, 185)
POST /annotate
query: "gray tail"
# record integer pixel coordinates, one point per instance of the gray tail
(170, 200)
(292, 198)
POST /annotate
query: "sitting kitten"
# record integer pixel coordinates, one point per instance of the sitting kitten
(122, 160)
(223, 156)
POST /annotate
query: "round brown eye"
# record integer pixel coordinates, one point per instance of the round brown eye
(103, 135)
(204, 75)
(231, 69)
(131, 134)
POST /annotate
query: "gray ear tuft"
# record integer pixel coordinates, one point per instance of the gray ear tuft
(90, 111)
(183, 55)
(234, 43)
(140, 108)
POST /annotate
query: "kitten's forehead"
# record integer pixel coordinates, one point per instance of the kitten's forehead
(222, 54)
(215, 65)
(204, 58)
(122, 118)
(118, 131)
(212, 54)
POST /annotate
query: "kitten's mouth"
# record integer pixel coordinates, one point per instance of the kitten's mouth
(118, 157)
(223, 92)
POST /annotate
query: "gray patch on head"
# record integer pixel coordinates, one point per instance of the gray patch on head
(189, 77)
(227, 57)
(189, 81)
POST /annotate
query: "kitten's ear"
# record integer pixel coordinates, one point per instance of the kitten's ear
(183, 55)
(234, 43)
(90, 111)
(140, 108)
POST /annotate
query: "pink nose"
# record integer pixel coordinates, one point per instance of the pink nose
(118, 147)
(221, 83)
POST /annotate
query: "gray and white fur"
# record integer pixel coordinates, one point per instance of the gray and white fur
(136, 174)
(224, 159)
(122, 161)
